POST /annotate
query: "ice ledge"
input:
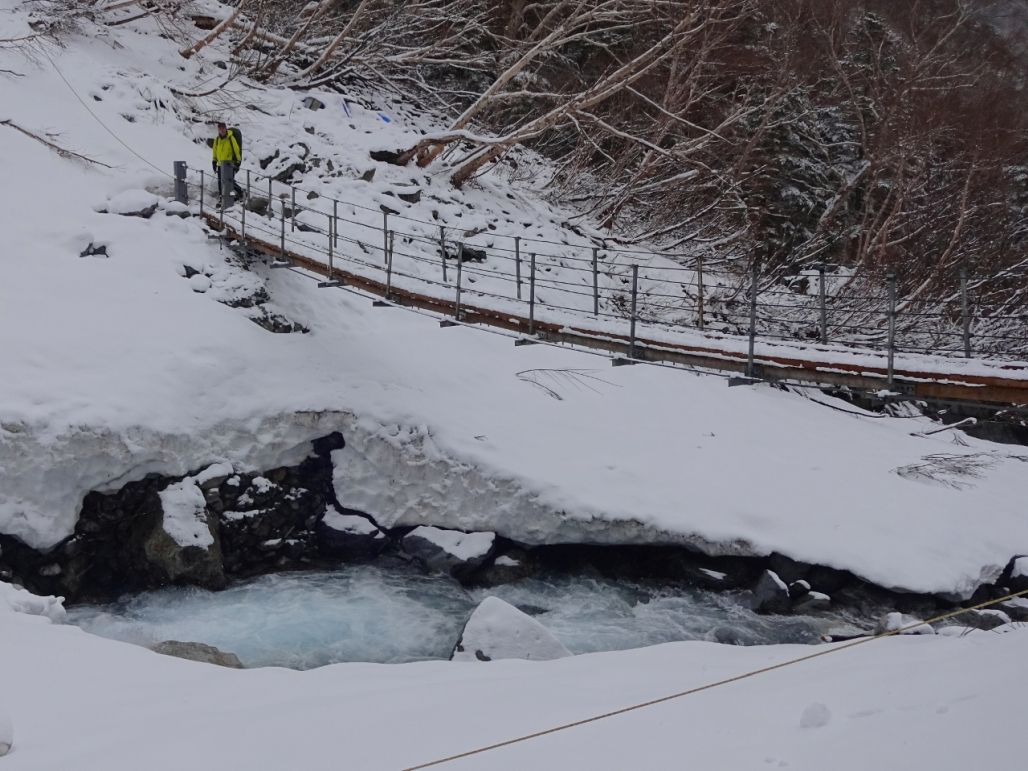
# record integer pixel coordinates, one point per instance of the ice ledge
(47, 472)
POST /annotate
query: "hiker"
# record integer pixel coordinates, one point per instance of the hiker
(228, 156)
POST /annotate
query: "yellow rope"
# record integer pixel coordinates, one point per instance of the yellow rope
(708, 686)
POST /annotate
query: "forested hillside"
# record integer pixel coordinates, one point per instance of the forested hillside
(868, 134)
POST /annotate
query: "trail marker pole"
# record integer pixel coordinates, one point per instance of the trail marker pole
(203, 191)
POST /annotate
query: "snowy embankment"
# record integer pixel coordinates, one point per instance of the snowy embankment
(117, 365)
(898, 702)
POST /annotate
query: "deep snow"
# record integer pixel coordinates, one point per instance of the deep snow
(78, 701)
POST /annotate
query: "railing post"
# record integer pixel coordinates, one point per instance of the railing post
(282, 244)
(385, 236)
(442, 249)
(531, 294)
(824, 304)
(245, 203)
(517, 262)
(891, 278)
(335, 221)
(389, 269)
(331, 249)
(635, 296)
(596, 282)
(460, 262)
(292, 209)
(965, 313)
(699, 293)
(754, 278)
(203, 191)
(181, 189)
(271, 208)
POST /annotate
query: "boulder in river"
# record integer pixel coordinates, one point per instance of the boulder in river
(498, 630)
(349, 536)
(771, 595)
(449, 551)
(195, 651)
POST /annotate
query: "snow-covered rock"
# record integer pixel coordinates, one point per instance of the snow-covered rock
(1017, 574)
(771, 595)
(1016, 608)
(349, 536)
(133, 203)
(892, 622)
(498, 630)
(984, 619)
(811, 602)
(18, 600)
(449, 551)
(182, 544)
(512, 565)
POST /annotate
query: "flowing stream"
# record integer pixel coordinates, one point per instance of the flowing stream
(396, 614)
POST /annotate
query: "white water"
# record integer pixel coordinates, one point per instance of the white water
(370, 613)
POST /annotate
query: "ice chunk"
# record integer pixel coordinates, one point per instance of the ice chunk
(462, 546)
(892, 622)
(21, 601)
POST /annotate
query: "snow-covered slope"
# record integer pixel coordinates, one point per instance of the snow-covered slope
(115, 366)
(82, 702)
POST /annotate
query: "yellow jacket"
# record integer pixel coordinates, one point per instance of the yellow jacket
(227, 149)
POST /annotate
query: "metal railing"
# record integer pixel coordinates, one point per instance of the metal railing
(616, 290)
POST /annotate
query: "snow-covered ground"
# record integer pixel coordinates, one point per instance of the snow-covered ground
(82, 702)
(117, 365)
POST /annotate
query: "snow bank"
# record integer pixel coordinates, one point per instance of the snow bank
(99, 692)
(18, 600)
(461, 546)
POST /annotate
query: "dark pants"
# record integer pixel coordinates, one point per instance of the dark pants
(227, 183)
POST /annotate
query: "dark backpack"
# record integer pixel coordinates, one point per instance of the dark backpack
(239, 140)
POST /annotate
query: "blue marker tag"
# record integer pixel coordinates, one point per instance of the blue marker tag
(385, 118)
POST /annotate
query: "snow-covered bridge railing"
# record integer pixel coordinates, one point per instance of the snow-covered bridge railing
(832, 329)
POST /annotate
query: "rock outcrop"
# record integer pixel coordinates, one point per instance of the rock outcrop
(194, 651)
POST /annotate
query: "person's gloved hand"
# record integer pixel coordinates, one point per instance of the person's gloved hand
(214, 166)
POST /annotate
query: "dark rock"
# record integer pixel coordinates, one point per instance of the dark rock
(292, 169)
(386, 156)
(771, 595)
(1015, 575)
(94, 250)
(173, 561)
(145, 213)
(449, 551)
(349, 537)
(194, 651)
(984, 619)
(326, 445)
(412, 197)
(513, 565)
(786, 568)
(368, 175)
(828, 580)
(1017, 609)
(798, 589)
(257, 205)
(811, 602)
